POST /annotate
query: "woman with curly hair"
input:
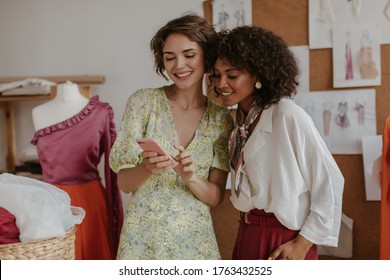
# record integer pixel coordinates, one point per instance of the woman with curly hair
(285, 182)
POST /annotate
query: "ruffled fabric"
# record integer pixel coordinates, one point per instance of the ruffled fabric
(112, 123)
(93, 101)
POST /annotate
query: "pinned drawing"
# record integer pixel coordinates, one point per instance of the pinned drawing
(356, 55)
(223, 18)
(342, 117)
(348, 57)
(324, 13)
(228, 14)
(386, 10)
(240, 15)
(367, 64)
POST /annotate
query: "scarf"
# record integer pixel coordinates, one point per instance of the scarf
(238, 138)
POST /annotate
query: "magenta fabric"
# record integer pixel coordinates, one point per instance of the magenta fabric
(70, 151)
(9, 232)
(263, 235)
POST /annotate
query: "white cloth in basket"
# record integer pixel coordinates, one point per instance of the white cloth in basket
(41, 209)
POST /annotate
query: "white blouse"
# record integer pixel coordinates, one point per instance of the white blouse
(290, 172)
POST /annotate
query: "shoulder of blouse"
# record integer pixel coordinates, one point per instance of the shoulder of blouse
(92, 104)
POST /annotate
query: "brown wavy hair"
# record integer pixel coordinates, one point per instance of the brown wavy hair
(196, 28)
(263, 54)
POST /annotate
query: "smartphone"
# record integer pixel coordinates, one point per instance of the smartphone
(152, 145)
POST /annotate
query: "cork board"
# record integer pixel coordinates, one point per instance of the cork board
(289, 19)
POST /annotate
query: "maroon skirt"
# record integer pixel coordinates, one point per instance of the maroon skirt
(260, 234)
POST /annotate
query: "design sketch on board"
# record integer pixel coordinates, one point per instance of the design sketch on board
(326, 116)
(223, 18)
(359, 108)
(240, 15)
(356, 6)
(348, 57)
(342, 117)
(228, 14)
(326, 11)
(386, 10)
(356, 55)
(367, 65)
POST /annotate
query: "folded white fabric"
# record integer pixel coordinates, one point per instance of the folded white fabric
(25, 83)
(41, 209)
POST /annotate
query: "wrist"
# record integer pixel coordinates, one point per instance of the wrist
(305, 242)
(192, 180)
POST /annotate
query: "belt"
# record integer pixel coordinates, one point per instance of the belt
(260, 220)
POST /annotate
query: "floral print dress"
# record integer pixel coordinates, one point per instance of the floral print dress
(164, 220)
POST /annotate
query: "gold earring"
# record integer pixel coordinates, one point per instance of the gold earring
(258, 85)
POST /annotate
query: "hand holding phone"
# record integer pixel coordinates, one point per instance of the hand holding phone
(152, 145)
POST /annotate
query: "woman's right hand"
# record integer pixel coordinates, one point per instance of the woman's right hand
(157, 164)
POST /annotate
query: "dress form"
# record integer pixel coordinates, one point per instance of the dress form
(68, 102)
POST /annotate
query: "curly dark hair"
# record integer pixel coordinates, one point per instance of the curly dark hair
(196, 28)
(263, 54)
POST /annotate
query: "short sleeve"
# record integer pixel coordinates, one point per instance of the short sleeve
(125, 153)
(224, 126)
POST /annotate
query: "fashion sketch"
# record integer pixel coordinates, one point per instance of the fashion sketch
(356, 55)
(326, 116)
(356, 5)
(386, 10)
(348, 57)
(359, 108)
(223, 18)
(326, 11)
(366, 62)
(228, 14)
(240, 15)
(342, 119)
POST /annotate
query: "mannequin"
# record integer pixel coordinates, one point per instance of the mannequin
(73, 133)
(68, 102)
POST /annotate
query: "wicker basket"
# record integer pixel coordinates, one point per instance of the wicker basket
(54, 248)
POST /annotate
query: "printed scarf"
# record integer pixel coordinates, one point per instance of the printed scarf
(238, 138)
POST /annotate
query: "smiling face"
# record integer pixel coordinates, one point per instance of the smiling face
(183, 61)
(234, 85)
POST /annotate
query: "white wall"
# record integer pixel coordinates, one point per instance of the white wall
(82, 37)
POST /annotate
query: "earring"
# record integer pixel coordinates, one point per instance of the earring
(258, 85)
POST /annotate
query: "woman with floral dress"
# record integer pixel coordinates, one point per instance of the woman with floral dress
(168, 216)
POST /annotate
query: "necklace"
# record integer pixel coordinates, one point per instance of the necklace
(174, 103)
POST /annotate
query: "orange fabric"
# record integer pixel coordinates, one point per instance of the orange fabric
(384, 248)
(92, 235)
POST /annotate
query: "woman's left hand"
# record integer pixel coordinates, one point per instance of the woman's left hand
(186, 167)
(295, 249)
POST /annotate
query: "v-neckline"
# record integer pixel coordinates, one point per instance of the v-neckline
(170, 114)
